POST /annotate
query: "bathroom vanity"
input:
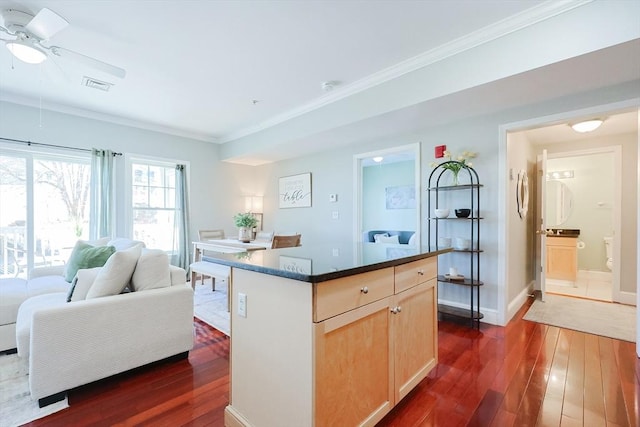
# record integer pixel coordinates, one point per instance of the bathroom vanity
(322, 340)
(562, 254)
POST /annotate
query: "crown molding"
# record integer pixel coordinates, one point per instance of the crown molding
(511, 24)
(89, 114)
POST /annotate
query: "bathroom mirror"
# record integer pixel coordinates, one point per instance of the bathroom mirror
(559, 203)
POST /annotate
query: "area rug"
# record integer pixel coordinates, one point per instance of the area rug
(16, 405)
(593, 317)
(211, 306)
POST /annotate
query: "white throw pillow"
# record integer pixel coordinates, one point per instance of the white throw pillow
(116, 273)
(152, 271)
(383, 239)
(82, 283)
(377, 237)
(412, 239)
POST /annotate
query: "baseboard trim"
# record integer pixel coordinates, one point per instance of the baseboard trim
(518, 302)
(628, 298)
(490, 314)
(233, 419)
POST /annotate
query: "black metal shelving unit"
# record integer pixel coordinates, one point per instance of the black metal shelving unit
(437, 192)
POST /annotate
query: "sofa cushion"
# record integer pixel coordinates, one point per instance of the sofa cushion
(25, 315)
(378, 237)
(85, 255)
(122, 243)
(152, 271)
(116, 273)
(82, 283)
(12, 293)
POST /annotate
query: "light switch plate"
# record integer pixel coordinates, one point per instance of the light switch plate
(333, 197)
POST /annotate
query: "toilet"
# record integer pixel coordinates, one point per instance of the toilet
(608, 243)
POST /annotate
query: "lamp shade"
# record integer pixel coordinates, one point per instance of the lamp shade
(253, 204)
(26, 52)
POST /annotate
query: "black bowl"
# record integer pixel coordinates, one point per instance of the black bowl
(463, 213)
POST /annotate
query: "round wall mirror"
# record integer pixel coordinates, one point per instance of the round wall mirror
(558, 203)
(522, 193)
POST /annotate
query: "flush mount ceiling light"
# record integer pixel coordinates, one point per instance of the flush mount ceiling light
(26, 52)
(378, 159)
(587, 125)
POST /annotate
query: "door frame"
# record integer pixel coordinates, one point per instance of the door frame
(503, 190)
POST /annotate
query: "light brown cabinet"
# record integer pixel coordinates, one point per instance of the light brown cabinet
(369, 358)
(562, 258)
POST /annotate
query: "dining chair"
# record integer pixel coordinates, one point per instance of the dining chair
(285, 241)
(264, 237)
(196, 267)
(210, 234)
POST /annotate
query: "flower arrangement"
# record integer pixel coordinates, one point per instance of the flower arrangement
(246, 220)
(460, 162)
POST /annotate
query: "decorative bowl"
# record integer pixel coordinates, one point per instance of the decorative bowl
(442, 213)
(463, 213)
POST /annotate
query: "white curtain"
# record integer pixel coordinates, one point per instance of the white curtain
(101, 193)
(181, 233)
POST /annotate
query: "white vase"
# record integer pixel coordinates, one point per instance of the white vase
(244, 234)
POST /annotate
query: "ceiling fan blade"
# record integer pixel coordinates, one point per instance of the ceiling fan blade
(46, 23)
(87, 60)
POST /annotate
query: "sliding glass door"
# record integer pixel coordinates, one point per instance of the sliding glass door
(44, 209)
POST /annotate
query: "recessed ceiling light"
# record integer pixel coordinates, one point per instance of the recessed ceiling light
(587, 125)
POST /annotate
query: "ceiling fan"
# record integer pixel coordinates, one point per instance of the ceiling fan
(29, 33)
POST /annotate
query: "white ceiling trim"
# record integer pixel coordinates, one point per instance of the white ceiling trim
(109, 118)
(487, 34)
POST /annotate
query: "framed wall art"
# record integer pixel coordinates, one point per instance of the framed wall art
(295, 191)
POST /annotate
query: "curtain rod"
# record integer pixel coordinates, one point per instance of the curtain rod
(40, 144)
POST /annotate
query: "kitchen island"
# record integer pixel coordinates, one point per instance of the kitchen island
(326, 336)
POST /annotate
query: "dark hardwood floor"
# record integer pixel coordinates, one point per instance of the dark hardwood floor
(524, 374)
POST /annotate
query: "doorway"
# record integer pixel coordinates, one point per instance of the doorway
(371, 209)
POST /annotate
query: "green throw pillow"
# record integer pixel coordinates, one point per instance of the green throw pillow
(86, 256)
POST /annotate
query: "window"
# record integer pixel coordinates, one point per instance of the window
(44, 209)
(153, 196)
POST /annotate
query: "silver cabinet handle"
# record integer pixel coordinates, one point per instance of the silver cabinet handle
(364, 290)
(396, 310)
(420, 272)
(399, 309)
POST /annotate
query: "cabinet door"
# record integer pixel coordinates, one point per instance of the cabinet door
(353, 376)
(415, 334)
(562, 258)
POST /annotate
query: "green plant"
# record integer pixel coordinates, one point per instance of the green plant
(245, 220)
(458, 163)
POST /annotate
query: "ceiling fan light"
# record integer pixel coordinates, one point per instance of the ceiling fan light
(26, 52)
(587, 125)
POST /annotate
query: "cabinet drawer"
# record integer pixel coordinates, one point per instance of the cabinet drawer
(562, 241)
(413, 273)
(338, 296)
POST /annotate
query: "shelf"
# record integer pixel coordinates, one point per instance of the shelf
(464, 282)
(455, 187)
(459, 312)
(470, 251)
(456, 218)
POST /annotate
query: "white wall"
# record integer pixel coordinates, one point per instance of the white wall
(215, 187)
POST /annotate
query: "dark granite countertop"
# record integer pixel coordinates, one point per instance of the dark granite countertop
(319, 263)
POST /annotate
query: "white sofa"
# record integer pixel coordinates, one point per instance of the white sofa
(134, 310)
(15, 291)
(72, 344)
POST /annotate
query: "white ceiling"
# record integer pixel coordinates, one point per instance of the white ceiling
(194, 67)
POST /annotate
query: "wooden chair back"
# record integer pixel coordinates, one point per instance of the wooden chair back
(210, 234)
(285, 241)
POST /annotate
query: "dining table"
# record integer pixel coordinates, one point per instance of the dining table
(226, 246)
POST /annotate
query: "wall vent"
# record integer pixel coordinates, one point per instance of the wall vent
(96, 84)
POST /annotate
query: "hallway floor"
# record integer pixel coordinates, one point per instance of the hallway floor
(601, 290)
